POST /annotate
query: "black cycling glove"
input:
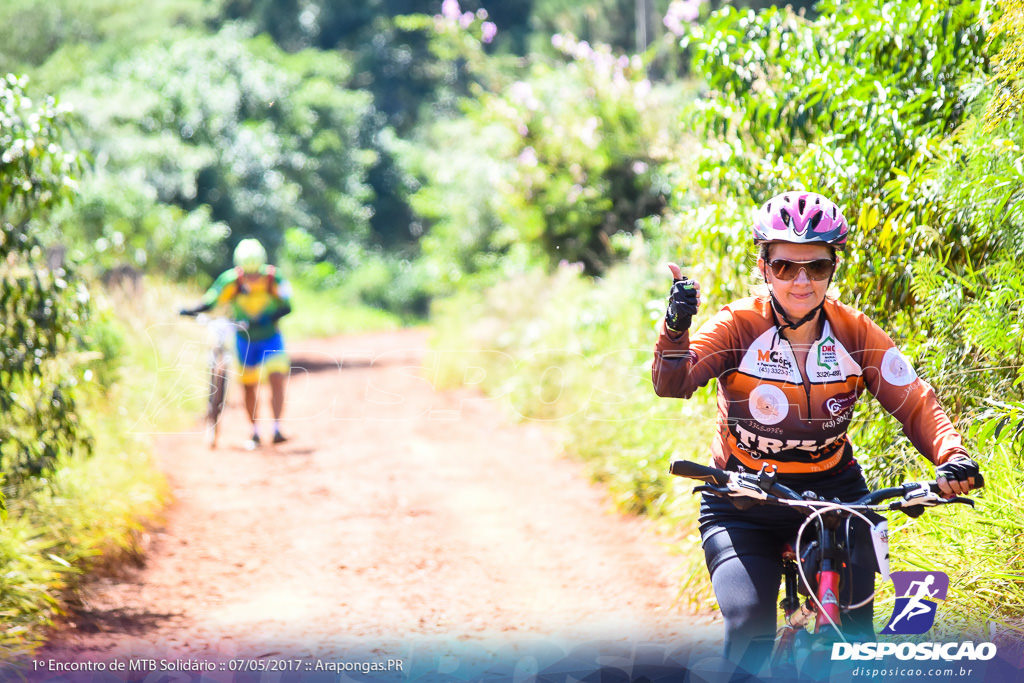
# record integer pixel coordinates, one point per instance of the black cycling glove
(682, 305)
(959, 468)
(193, 311)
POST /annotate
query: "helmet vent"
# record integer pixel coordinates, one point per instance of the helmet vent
(802, 203)
(816, 218)
(785, 217)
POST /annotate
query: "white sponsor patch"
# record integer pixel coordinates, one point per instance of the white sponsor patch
(770, 357)
(768, 404)
(829, 361)
(896, 369)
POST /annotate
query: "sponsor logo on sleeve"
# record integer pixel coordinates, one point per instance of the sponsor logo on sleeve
(896, 369)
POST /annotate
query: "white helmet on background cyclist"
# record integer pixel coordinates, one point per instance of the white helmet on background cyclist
(800, 217)
(250, 255)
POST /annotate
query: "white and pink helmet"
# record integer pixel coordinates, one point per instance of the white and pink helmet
(800, 217)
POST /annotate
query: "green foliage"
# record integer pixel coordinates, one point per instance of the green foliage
(204, 133)
(1007, 33)
(44, 307)
(55, 356)
(524, 25)
(853, 104)
(380, 281)
(89, 512)
(547, 169)
(32, 31)
(623, 24)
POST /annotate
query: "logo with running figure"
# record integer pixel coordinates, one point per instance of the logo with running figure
(917, 594)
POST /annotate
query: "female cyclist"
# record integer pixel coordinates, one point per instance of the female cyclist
(790, 366)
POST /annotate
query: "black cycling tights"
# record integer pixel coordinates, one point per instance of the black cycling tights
(746, 570)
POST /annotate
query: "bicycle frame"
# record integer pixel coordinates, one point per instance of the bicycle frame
(825, 605)
(221, 331)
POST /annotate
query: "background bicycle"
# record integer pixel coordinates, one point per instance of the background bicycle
(221, 334)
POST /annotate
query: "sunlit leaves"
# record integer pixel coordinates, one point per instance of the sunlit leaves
(227, 132)
(37, 171)
(1008, 34)
(42, 307)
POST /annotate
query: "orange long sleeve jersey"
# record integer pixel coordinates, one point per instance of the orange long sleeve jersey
(768, 411)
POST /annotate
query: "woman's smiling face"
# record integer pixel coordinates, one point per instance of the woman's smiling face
(799, 296)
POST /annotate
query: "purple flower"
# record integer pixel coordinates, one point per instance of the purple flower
(680, 13)
(489, 31)
(451, 10)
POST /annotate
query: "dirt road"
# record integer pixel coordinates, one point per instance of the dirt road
(395, 515)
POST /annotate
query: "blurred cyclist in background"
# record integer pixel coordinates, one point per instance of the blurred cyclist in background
(259, 297)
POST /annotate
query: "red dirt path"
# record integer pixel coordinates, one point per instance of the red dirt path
(395, 512)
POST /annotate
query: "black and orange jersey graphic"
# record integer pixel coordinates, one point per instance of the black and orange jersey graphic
(771, 411)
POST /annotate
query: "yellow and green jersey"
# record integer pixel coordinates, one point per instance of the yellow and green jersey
(252, 301)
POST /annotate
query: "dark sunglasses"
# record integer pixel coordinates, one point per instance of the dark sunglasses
(818, 269)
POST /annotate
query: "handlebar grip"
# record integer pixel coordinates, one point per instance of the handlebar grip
(712, 475)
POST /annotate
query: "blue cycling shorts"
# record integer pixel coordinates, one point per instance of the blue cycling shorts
(266, 355)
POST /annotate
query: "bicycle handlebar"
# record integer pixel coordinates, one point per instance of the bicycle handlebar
(765, 488)
(711, 475)
(204, 319)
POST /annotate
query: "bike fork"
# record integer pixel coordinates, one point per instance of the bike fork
(783, 663)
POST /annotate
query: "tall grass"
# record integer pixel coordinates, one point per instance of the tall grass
(92, 510)
(981, 549)
(325, 313)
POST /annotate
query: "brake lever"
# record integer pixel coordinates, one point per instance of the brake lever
(748, 487)
(958, 499)
(922, 496)
(719, 491)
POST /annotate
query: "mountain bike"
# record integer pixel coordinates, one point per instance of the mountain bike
(803, 645)
(221, 334)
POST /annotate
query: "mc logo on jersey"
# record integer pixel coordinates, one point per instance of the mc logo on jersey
(769, 356)
(917, 596)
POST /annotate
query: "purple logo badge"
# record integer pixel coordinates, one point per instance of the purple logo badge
(917, 594)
